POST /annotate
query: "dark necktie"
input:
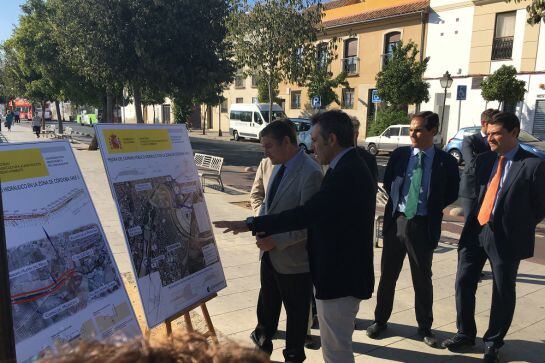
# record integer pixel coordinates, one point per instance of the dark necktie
(274, 186)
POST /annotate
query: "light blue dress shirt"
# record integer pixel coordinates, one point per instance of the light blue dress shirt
(427, 163)
(338, 157)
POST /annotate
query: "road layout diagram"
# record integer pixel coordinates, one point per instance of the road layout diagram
(57, 276)
(164, 227)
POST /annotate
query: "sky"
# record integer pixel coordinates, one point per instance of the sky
(9, 16)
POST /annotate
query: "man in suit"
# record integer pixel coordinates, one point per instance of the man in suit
(421, 180)
(287, 178)
(501, 228)
(369, 158)
(472, 146)
(339, 219)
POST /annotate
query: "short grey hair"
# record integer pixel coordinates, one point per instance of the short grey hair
(355, 123)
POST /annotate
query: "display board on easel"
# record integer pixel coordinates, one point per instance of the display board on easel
(154, 182)
(64, 283)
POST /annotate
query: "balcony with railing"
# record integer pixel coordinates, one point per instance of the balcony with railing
(502, 48)
(351, 65)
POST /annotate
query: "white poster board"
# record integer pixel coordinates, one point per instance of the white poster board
(161, 205)
(63, 279)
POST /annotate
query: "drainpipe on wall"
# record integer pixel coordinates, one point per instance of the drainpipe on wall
(422, 40)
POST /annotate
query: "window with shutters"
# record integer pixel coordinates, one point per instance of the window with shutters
(348, 98)
(295, 100)
(504, 33)
(476, 82)
(239, 100)
(350, 60)
(390, 41)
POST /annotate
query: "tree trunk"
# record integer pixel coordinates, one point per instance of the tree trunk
(203, 120)
(220, 133)
(43, 115)
(270, 99)
(137, 92)
(103, 118)
(59, 116)
(109, 108)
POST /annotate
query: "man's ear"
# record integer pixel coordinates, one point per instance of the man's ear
(332, 139)
(434, 131)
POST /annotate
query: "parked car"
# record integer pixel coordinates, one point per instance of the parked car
(391, 138)
(527, 142)
(304, 139)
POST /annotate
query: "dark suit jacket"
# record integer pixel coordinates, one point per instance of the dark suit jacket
(370, 161)
(472, 146)
(443, 190)
(340, 220)
(519, 207)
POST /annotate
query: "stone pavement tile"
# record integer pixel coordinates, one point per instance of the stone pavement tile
(242, 284)
(527, 344)
(241, 270)
(233, 302)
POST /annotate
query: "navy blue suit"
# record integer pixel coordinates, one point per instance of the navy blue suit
(416, 237)
(505, 240)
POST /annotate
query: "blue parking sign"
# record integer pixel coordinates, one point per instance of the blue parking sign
(461, 93)
(316, 102)
(374, 96)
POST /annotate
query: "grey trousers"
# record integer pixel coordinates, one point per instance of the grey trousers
(336, 319)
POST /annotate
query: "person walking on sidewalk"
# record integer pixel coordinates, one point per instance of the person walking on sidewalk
(9, 120)
(339, 219)
(472, 146)
(36, 125)
(421, 181)
(287, 178)
(501, 228)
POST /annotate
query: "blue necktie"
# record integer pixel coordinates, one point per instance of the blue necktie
(274, 186)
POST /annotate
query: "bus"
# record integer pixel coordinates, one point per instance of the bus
(23, 106)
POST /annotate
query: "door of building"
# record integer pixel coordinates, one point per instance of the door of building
(539, 120)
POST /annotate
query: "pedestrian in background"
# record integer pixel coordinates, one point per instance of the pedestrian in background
(421, 181)
(9, 120)
(472, 146)
(36, 125)
(501, 228)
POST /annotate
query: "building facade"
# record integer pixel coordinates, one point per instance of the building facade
(471, 40)
(366, 31)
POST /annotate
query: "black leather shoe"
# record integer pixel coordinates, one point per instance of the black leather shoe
(457, 341)
(427, 337)
(373, 331)
(312, 343)
(491, 355)
(262, 343)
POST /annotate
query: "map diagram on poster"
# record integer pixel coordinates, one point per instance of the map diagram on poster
(164, 216)
(63, 280)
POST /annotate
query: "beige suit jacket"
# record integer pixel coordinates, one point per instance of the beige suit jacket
(301, 181)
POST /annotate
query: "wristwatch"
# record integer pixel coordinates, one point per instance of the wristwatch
(250, 223)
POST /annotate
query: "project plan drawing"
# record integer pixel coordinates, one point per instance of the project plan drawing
(163, 212)
(64, 284)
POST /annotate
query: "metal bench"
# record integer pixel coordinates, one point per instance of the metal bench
(67, 133)
(209, 167)
(49, 130)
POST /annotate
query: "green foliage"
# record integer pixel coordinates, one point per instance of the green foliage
(400, 81)
(503, 86)
(536, 10)
(182, 110)
(172, 47)
(322, 83)
(263, 91)
(387, 116)
(275, 39)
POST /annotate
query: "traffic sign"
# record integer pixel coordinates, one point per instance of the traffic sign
(316, 102)
(374, 96)
(461, 93)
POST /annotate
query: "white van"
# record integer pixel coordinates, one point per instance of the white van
(246, 120)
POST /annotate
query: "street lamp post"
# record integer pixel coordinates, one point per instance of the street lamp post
(220, 133)
(446, 82)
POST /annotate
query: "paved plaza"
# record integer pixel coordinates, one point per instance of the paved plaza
(233, 312)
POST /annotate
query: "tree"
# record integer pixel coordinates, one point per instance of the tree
(536, 10)
(400, 81)
(503, 86)
(263, 95)
(274, 39)
(173, 47)
(320, 81)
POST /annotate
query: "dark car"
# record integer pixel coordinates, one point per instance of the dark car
(527, 142)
